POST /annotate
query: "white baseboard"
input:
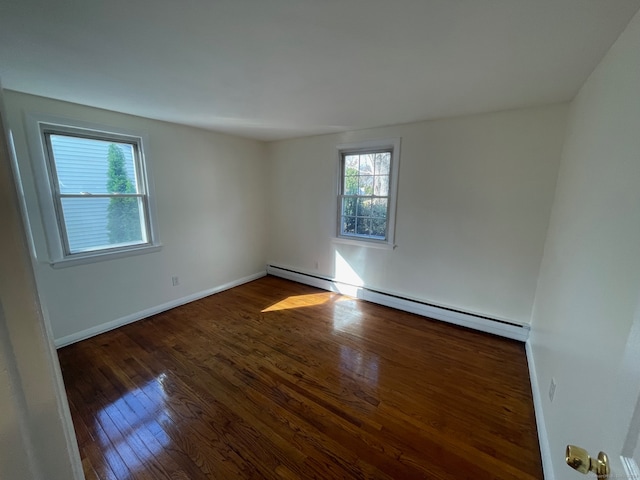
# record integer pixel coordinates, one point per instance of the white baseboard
(511, 330)
(105, 327)
(543, 438)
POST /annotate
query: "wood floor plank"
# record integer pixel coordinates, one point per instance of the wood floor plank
(278, 380)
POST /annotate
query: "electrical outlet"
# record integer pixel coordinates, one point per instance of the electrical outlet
(552, 389)
(317, 263)
(175, 281)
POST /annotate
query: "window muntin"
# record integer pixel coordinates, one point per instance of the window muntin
(365, 199)
(81, 207)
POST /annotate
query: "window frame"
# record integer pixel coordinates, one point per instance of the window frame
(39, 129)
(370, 146)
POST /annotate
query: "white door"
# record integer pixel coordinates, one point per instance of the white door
(620, 423)
(626, 409)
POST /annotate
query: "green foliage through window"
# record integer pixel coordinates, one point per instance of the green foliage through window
(365, 194)
(123, 221)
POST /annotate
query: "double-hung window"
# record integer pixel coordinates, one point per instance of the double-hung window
(367, 191)
(94, 193)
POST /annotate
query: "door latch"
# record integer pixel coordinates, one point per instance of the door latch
(579, 459)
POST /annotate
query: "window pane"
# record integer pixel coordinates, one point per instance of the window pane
(351, 162)
(351, 185)
(348, 225)
(379, 208)
(379, 227)
(366, 164)
(363, 226)
(365, 185)
(364, 207)
(382, 163)
(98, 223)
(86, 165)
(381, 185)
(349, 207)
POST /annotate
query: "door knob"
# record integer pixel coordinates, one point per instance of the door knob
(579, 459)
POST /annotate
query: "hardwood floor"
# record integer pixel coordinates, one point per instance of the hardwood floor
(274, 379)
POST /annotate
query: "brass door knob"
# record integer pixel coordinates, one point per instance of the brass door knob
(579, 459)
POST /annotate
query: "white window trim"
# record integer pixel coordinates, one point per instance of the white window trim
(57, 257)
(388, 143)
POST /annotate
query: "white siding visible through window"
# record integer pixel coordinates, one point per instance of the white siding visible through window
(81, 167)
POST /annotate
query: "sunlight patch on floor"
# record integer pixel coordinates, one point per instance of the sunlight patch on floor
(310, 300)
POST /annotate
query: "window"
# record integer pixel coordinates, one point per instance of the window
(367, 191)
(94, 193)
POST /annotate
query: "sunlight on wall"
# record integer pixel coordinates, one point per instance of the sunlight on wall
(345, 273)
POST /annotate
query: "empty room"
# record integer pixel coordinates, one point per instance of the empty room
(315, 239)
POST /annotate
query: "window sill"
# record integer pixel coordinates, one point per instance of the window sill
(100, 257)
(364, 243)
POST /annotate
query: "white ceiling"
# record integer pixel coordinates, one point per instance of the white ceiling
(272, 69)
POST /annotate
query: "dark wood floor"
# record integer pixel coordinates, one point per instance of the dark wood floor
(275, 379)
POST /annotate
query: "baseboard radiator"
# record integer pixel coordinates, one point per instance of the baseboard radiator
(501, 328)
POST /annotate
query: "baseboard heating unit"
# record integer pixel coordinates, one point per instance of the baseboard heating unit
(502, 328)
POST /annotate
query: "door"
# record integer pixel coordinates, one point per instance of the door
(627, 409)
(620, 433)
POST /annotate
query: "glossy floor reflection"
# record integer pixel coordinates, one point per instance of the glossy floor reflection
(133, 426)
(363, 365)
(277, 380)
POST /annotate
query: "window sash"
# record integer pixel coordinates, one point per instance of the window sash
(140, 184)
(357, 216)
(135, 143)
(100, 195)
(342, 196)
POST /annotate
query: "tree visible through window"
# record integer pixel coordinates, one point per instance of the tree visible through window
(123, 218)
(99, 191)
(365, 194)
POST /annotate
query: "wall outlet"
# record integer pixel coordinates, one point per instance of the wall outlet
(175, 281)
(317, 264)
(552, 389)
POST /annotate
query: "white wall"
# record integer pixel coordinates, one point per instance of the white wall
(210, 199)
(14, 459)
(589, 284)
(474, 199)
(36, 435)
